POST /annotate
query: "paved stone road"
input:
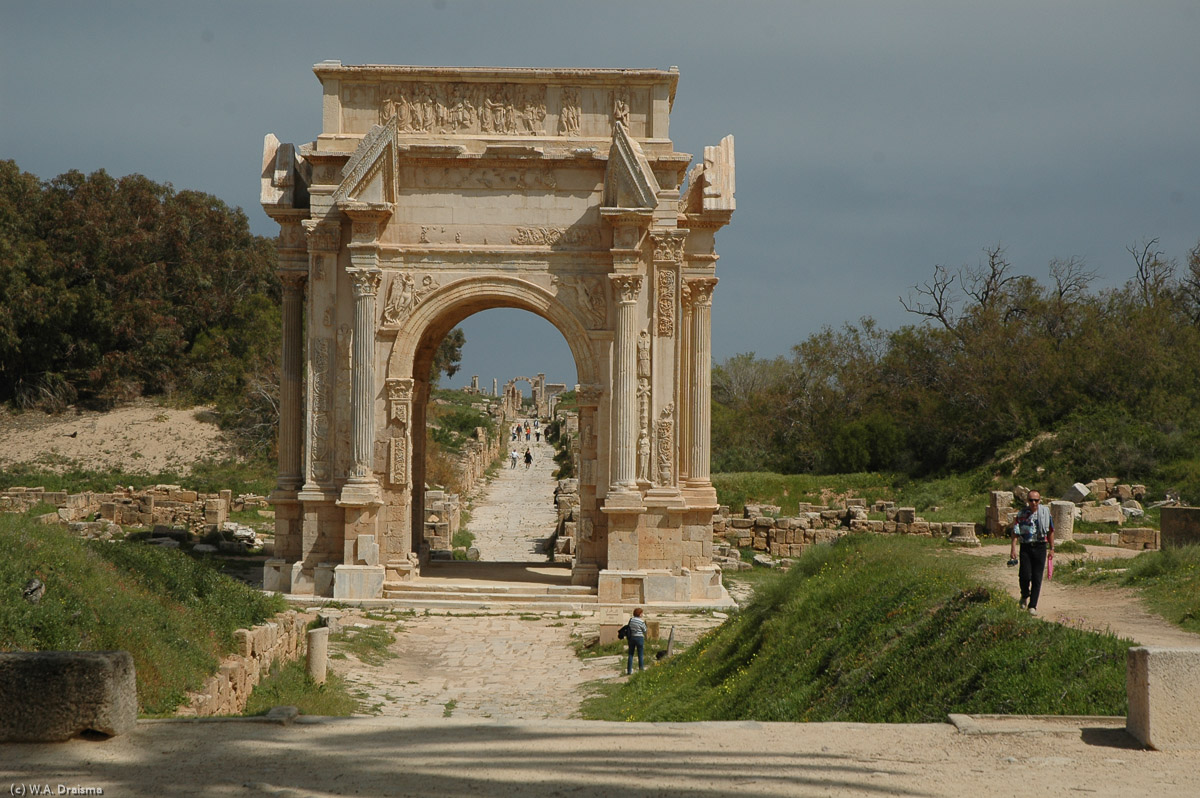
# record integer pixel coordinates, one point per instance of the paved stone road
(507, 667)
(515, 514)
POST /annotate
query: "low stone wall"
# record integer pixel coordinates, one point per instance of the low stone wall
(280, 640)
(763, 529)
(566, 504)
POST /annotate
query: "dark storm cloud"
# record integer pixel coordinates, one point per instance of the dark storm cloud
(873, 139)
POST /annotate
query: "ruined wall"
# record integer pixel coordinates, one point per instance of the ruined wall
(280, 640)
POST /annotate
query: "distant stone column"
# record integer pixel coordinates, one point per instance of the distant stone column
(627, 287)
(699, 452)
(1062, 515)
(291, 430)
(362, 386)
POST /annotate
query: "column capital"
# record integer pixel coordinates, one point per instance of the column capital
(668, 245)
(627, 287)
(323, 235)
(292, 279)
(366, 281)
(700, 290)
(589, 395)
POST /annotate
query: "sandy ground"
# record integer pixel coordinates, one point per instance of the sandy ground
(515, 515)
(467, 757)
(141, 437)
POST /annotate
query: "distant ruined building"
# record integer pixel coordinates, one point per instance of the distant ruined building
(434, 193)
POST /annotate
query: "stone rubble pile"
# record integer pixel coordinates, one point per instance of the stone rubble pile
(101, 515)
(1102, 501)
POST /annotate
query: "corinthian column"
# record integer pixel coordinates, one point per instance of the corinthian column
(624, 397)
(701, 395)
(291, 444)
(362, 376)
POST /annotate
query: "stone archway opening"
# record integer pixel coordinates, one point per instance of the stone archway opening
(435, 193)
(513, 518)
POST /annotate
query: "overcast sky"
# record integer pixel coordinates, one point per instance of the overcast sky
(874, 139)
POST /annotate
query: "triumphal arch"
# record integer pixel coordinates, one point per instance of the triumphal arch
(432, 194)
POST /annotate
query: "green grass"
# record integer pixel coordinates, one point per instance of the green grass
(175, 615)
(371, 644)
(1168, 580)
(290, 685)
(877, 629)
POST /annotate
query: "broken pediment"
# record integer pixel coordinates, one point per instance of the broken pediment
(711, 185)
(370, 174)
(285, 175)
(629, 181)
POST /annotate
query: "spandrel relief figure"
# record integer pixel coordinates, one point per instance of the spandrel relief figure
(404, 297)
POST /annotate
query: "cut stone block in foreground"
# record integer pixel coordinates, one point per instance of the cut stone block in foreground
(50, 696)
(1163, 685)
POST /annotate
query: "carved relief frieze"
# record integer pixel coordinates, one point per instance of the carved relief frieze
(664, 298)
(620, 105)
(322, 352)
(570, 114)
(593, 300)
(557, 236)
(397, 471)
(481, 177)
(465, 108)
(404, 297)
(345, 343)
(666, 445)
(327, 318)
(291, 236)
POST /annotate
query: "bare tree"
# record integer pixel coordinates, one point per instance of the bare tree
(936, 300)
(986, 284)
(1154, 272)
(1071, 279)
(1191, 284)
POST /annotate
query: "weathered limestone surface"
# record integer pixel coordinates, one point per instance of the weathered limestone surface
(1163, 686)
(49, 696)
(434, 193)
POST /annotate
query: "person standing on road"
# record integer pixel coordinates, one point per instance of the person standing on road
(512, 457)
(1035, 530)
(637, 640)
(528, 459)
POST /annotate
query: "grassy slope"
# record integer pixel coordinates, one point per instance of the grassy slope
(878, 629)
(174, 614)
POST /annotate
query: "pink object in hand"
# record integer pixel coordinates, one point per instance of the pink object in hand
(1050, 566)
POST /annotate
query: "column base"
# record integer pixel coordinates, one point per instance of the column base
(695, 586)
(587, 574)
(360, 494)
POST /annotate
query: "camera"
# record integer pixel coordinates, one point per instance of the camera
(1012, 562)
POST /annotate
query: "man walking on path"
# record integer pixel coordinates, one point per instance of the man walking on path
(1035, 529)
(512, 458)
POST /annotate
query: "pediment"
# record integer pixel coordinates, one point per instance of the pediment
(370, 174)
(629, 181)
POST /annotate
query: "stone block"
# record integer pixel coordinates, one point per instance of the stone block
(1180, 526)
(50, 696)
(1103, 514)
(1140, 538)
(358, 581)
(963, 535)
(1163, 688)
(368, 550)
(323, 577)
(906, 515)
(1076, 493)
(1000, 499)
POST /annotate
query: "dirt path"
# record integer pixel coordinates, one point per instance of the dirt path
(515, 514)
(1098, 608)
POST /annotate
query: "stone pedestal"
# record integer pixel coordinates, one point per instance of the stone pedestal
(1062, 515)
